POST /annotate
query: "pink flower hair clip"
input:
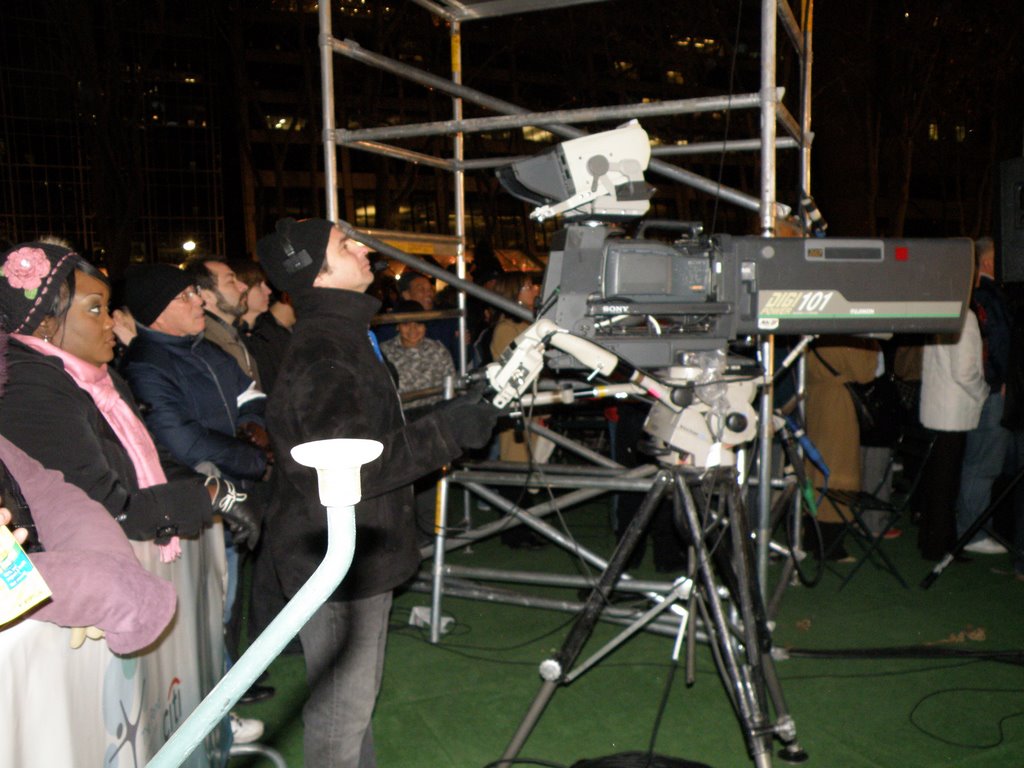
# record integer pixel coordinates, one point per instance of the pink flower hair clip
(25, 268)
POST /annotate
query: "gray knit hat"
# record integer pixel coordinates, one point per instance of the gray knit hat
(293, 255)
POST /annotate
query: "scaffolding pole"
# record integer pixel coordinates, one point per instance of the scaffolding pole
(327, 108)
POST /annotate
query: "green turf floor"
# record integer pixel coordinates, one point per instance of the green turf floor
(457, 704)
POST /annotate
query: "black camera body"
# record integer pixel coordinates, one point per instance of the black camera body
(650, 300)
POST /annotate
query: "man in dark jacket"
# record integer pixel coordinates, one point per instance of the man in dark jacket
(224, 302)
(195, 398)
(333, 383)
(988, 443)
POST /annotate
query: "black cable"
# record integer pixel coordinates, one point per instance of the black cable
(786, 516)
(637, 760)
(523, 644)
(907, 652)
(882, 673)
(970, 657)
(959, 703)
(662, 706)
(524, 761)
(582, 566)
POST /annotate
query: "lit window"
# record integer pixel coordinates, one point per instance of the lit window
(676, 78)
(933, 131)
(285, 122)
(532, 133)
(960, 132)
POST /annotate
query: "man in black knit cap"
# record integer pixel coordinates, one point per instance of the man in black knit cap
(333, 383)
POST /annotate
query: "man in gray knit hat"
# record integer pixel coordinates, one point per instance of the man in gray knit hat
(333, 383)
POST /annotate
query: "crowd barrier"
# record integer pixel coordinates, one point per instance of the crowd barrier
(87, 707)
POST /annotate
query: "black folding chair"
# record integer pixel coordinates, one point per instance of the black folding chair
(909, 455)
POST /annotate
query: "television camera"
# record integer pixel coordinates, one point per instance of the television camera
(672, 303)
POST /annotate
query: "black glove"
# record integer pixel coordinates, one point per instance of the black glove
(239, 515)
(472, 395)
(471, 423)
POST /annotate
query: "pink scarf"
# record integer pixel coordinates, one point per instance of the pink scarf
(128, 428)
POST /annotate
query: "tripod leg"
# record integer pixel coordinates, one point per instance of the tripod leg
(785, 726)
(754, 617)
(750, 713)
(553, 670)
(529, 722)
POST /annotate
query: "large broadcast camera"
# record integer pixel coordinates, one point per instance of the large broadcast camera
(668, 308)
(651, 301)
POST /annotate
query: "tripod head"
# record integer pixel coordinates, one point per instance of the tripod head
(700, 411)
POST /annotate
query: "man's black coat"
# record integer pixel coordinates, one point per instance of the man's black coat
(331, 384)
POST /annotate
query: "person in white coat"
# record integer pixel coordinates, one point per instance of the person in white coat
(953, 391)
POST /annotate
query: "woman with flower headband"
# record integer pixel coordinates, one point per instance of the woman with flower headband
(68, 410)
(93, 575)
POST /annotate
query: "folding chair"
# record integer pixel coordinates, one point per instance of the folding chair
(909, 454)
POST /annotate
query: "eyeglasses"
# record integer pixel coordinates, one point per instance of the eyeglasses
(188, 294)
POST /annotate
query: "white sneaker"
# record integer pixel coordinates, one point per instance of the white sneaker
(245, 730)
(986, 546)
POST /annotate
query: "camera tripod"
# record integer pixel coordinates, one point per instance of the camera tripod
(720, 566)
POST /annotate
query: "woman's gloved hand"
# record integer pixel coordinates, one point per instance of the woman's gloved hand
(239, 515)
(471, 423)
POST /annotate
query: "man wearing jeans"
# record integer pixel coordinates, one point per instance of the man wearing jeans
(987, 444)
(333, 383)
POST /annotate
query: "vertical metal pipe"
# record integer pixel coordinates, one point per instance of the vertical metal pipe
(764, 489)
(768, 106)
(458, 146)
(327, 97)
(440, 533)
(807, 25)
(769, 98)
(805, 97)
(437, 574)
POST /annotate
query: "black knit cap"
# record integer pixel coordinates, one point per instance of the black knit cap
(293, 255)
(31, 275)
(149, 288)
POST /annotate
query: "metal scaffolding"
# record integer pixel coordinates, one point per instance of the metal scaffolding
(796, 129)
(796, 134)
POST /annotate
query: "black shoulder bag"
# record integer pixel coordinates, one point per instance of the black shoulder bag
(876, 404)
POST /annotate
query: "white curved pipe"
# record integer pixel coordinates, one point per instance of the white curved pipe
(337, 463)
